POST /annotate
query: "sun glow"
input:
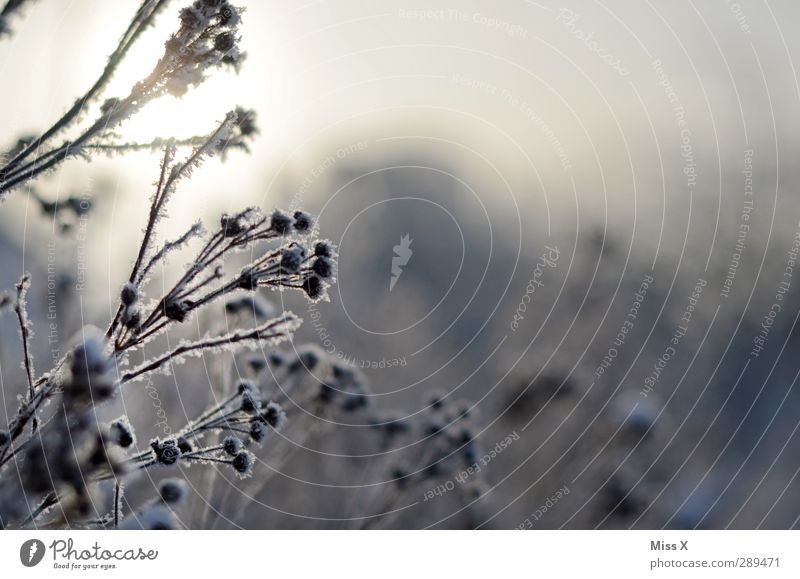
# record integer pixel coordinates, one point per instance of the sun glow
(192, 114)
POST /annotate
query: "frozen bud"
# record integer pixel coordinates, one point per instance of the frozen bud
(258, 432)
(436, 401)
(224, 41)
(172, 491)
(465, 435)
(253, 304)
(251, 402)
(246, 121)
(192, 18)
(243, 463)
(244, 386)
(433, 428)
(326, 393)
(232, 225)
(228, 15)
(273, 414)
(276, 358)
(323, 249)
(323, 267)
(132, 317)
(343, 373)
(309, 357)
(303, 221)
(91, 370)
(314, 287)
(177, 310)
(129, 294)
(122, 433)
(355, 401)
(256, 363)
(292, 258)
(400, 476)
(231, 445)
(281, 223)
(183, 445)
(167, 452)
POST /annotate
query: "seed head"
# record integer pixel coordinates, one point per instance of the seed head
(292, 258)
(303, 222)
(281, 223)
(129, 294)
(224, 41)
(323, 249)
(309, 356)
(313, 287)
(258, 432)
(183, 445)
(244, 385)
(231, 445)
(243, 463)
(177, 310)
(122, 433)
(167, 452)
(323, 267)
(251, 402)
(273, 414)
(172, 491)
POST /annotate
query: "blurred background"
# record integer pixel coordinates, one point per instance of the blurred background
(594, 210)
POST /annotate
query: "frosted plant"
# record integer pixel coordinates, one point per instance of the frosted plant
(63, 463)
(206, 39)
(55, 445)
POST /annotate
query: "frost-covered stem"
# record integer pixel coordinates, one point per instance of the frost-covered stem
(155, 209)
(20, 308)
(156, 143)
(47, 502)
(256, 334)
(9, 180)
(143, 18)
(117, 500)
(42, 389)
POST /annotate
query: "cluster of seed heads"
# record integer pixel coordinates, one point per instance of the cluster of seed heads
(61, 465)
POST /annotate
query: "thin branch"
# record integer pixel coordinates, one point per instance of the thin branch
(266, 332)
(21, 309)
